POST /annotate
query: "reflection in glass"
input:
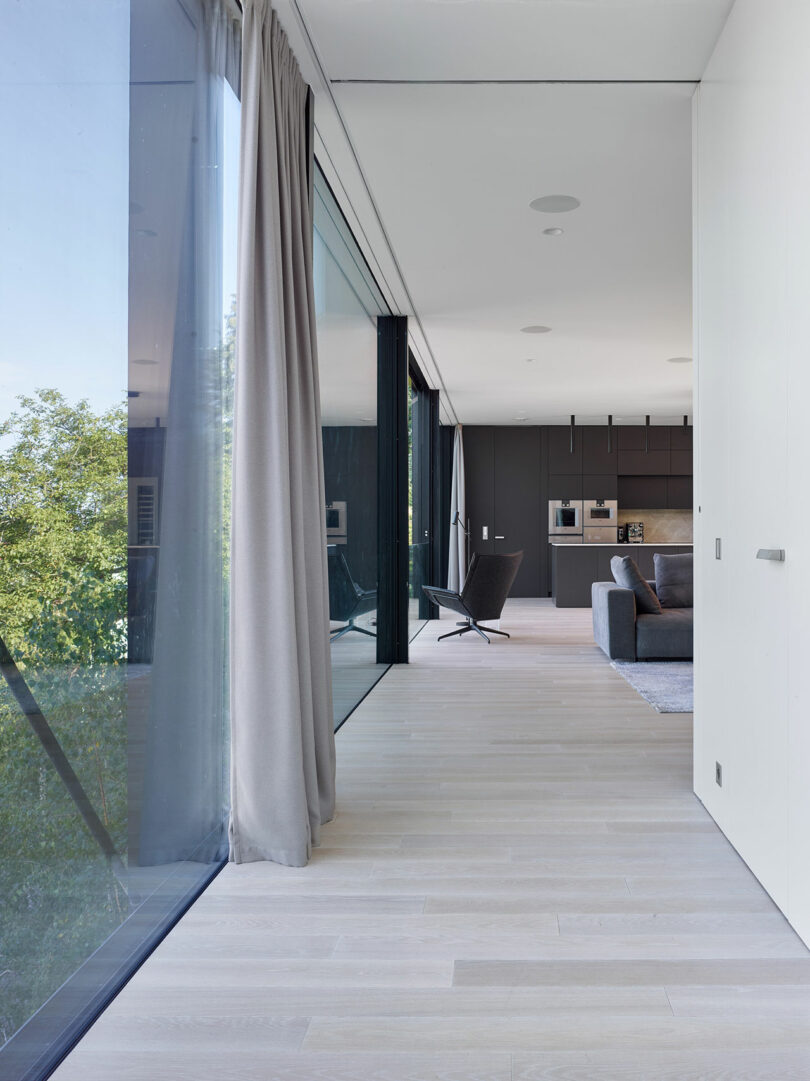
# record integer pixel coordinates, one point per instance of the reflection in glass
(347, 305)
(115, 392)
(418, 507)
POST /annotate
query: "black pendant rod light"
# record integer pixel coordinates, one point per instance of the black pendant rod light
(572, 433)
(610, 433)
(686, 420)
(647, 434)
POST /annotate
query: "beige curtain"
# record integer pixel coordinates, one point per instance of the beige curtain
(457, 563)
(283, 751)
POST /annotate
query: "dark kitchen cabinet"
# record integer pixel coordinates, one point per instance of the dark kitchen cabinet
(642, 493)
(596, 457)
(561, 458)
(639, 463)
(679, 493)
(562, 486)
(600, 486)
(632, 437)
(681, 452)
(680, 463)
(680, 438)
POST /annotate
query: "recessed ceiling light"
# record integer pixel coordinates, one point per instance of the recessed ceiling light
(146, 232)
(553, 232)
(535, 329)
(144, 360)
(679, 360)
(554, 204)
(530, 360)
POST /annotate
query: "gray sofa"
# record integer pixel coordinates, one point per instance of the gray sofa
(627, 635)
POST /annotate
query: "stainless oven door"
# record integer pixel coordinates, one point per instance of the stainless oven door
(600, 512)
(564, 517)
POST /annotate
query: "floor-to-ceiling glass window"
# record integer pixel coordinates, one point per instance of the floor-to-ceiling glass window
(117, 277)
(348, 302)
(423, 494)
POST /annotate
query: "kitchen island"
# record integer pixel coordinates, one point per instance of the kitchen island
(575, 567)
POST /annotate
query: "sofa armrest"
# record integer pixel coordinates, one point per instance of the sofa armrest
(614, 620)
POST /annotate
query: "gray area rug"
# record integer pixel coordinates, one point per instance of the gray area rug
(666, 685)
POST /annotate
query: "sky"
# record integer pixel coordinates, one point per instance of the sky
(64, 198)
(64, 104)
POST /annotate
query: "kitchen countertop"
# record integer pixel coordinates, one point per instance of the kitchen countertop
(624, 544)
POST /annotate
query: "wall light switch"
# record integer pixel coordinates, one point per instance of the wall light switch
(485, 532)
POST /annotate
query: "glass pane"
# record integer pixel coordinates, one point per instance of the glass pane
(118, 277)
(418, 509)
(347, 305)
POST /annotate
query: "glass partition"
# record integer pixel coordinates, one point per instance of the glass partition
(347, 305)
(118, 277)
(418, 506)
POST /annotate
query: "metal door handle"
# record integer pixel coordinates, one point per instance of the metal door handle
(777, 554)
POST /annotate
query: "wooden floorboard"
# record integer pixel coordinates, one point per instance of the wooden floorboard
(519, 885)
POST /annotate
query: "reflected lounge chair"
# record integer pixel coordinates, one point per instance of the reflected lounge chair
(483, 595)
(347, 600)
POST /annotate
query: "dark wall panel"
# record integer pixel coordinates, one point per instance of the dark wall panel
(517, 502)
(479, 466)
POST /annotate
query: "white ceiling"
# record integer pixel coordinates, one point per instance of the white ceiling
(515, 39)
(436, 182)
(615, 288)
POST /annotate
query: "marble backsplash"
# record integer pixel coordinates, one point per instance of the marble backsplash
(661, 526)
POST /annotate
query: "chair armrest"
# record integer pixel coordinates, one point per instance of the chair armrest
(614, 620)
(446, 598)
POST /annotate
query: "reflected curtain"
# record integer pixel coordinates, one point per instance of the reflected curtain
(184, 789)
(282, 743)
(457, 562)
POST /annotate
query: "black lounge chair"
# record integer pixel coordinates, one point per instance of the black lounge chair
(347, 600)
(483, 595)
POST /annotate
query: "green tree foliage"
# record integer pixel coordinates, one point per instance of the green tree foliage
(63, 521)
(63, 597)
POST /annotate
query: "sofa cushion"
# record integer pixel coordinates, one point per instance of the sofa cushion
(666, 635)
(674, 575)
(626, 572)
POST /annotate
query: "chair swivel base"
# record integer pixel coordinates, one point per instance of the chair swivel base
(471, 625)
(350, 626)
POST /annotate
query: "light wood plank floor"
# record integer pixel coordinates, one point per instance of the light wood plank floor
(519, 886)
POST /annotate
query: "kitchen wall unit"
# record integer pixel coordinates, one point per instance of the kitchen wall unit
(512, 472)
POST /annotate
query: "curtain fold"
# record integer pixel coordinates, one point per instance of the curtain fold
(457, 563)
(282, 741)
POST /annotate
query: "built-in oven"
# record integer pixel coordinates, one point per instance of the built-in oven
(600, 513)
(336, 522)
(564, 518)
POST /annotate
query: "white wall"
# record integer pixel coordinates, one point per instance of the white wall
(752, 328)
